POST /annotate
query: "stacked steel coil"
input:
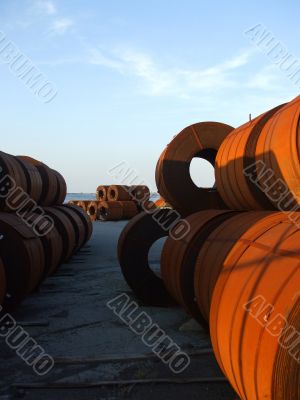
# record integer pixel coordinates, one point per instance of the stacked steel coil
(236, 269)
(257, 166)
(116, 202)
(38, 233)
(172, 174)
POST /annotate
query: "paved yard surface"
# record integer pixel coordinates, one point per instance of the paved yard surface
(69, 318)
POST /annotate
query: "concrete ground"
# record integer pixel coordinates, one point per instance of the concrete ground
(69, 318)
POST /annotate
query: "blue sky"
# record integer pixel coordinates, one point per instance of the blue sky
(131, 74)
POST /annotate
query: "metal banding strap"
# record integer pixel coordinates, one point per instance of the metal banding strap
(201, 147)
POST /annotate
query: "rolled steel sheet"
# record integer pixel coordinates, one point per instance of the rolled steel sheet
(254, 313)
(140, 193)
(92, 210)
(23, 257)
(179, 257)
(33, 179)
(101, 192)
(66, 230)
(49, 180)
(78, 225)
(85, 219)
(51, 240)
(173, 168)
(82, 204)
(11, 176)
(134, 244)
(118, 193)
(61, 188)
(73, 202)
(110, 210)
(211, 255)
(278, 149)
(130, 209)
(236, 155)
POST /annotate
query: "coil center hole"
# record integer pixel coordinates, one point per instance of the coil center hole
(154, 255)
(202, 169)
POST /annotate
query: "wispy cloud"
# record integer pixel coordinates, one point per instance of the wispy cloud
(159, 80)
(98, 57)
(61, 26)
(46, 6)
(267, 78)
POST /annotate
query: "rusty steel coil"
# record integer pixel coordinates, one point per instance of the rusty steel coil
(61, 188)
(23, 257)
(12, 176)
(85, 219)
(82, 204)
(44, 227)
(73, 202)
(66, 230)
(101, 192)
(49, 181)
(172, 175)
(33, 179)
(140, 193)
(234, 158)
(92, 209)
(179, 256)
(118, 193)
(110, 210)
(129, 208)
(53, 248)
(255, 312)
(134, 244)
(2, 283)
(213, 252)
(78, 225)
(278, 150)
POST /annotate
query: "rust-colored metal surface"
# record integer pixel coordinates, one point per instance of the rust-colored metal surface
(61, 188)
(140, 193)
(278, 148)
(213, 252)
(82, 204)
(85, 219)
(255, 297)
(236, 153)
(179, 256)
(129, 209)
(118, 193)
(78, 225)
(134, 244)
(74, 202)
(51, 241)
(14, 174)
(66, 230)
(101, 192)
(173, 168)
(33, 179)
(2, 282)
(92, 209)
(49, 180)
(110, 210)
(23, 257)
(53, 248)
